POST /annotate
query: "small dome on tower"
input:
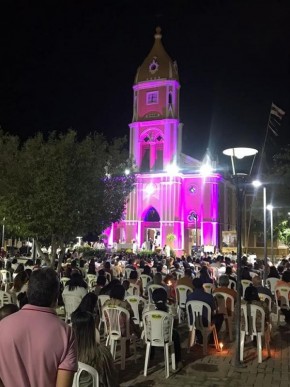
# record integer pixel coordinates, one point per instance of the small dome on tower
(158, 64)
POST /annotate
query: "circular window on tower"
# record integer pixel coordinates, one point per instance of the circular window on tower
(192, 189)
(153, 67)
(192, 216)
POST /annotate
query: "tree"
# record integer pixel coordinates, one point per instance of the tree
(56, 188)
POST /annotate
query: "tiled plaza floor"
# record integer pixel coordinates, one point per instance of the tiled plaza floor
(216, 369)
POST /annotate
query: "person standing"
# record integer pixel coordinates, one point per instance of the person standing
(36, 347)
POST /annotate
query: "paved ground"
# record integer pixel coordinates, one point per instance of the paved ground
(216, 369)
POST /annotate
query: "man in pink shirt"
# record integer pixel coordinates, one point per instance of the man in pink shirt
(36, 347)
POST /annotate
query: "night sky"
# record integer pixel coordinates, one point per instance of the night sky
(71, 64)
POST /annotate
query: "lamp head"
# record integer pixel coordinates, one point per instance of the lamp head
(240, 153)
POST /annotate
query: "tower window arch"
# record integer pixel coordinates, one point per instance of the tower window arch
(151, 143)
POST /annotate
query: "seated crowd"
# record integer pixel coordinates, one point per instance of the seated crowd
(111, 282)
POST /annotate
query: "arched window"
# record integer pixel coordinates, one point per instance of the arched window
(152, 215)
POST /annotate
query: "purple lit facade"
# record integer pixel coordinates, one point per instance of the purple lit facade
(164, 201)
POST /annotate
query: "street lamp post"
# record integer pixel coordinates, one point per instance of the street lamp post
(270, 209)
(239, 182)
(3, 232)
(257, 183)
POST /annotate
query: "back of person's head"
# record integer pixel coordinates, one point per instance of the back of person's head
(159, 297)
(224, 280)
(76, 280)
(133, 274)
(159, 268)
(88, 303)
(22, 299)
(43, 287)
(126, 284)
(257, 281)
(229, 270)
(118, 292)
(286, 276)
(20, 279)
(8, 309)
(101, 280)
(157, 279)
(251, 294)
(147, 270)
(273, 272)
(197, 283)
(84, 328)
(107, 265)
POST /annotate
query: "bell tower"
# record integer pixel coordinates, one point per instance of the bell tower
(155, 131)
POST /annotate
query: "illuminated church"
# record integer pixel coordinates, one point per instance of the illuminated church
(173, 201)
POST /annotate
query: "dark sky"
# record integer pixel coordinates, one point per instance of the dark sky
(71, 64)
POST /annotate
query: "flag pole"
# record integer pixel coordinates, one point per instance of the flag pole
(259, 171)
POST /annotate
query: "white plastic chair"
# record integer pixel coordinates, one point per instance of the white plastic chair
(71, 302)
(208, 287)
(267, 299)
(137, 304)
(87, 368)
(254, 310)
(271, 283)
(64, 280)
(245, 283)
(145, 279)
(232, 284)
(113, 316)
(223, 300)
(182, 292)
(195, 312)
(6, 276)
(5, 298)
(101, 300)
(158, 327)
(150, 290)
(134, 290)
(127, 272)
(282, 299)
(91, 280)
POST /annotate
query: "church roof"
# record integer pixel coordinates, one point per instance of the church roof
(158, 64)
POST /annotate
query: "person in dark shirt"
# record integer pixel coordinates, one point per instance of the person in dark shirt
(199, 294)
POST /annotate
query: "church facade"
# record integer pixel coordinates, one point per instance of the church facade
(173, 201)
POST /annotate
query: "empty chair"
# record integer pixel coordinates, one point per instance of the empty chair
(158, 326)
(182, 292)
(208, 287)
(250, 317)
(245, 283)
(137, 304)
(127, 272)
(6, 276)
(199, 318)
(71, 302)
(271, 283)
(90, 370)
(117, 323)
(145, 279)
(226, 306)
(5, 298)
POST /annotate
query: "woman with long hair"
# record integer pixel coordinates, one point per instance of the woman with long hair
(91, 353)
(76, 285)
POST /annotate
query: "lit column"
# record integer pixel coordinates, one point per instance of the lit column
(239, 182)
(270, 209)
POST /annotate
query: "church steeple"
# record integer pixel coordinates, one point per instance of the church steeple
(157, 64)
(155, 131)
